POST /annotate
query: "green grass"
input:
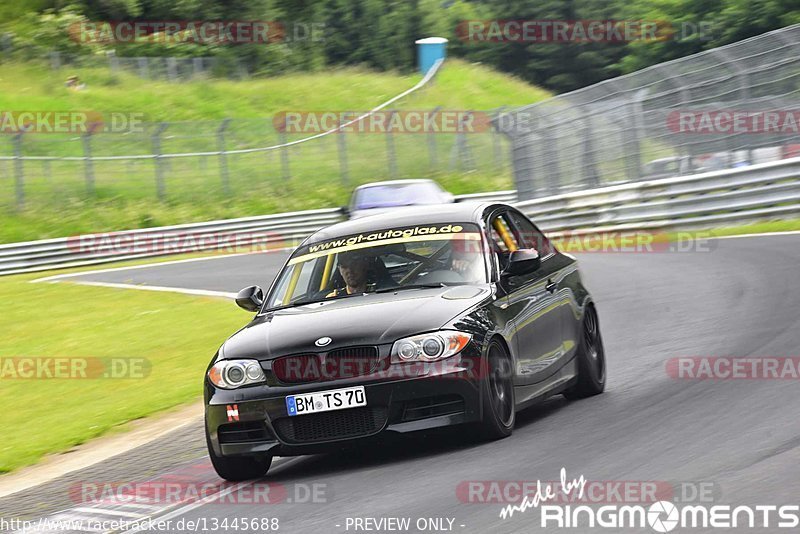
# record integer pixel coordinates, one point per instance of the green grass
(765, 227)
(58, 204)
(177, 334)
(459, 85)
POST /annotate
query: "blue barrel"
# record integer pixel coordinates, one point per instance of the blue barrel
(430, 50)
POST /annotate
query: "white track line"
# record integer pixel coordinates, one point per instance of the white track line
(56, 277)
(185, 291)
(764, 234)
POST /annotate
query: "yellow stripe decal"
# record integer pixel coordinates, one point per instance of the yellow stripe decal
(467, 236)
(292, 284)
(326, 273)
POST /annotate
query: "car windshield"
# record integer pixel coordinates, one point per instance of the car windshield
(433, 255)
(391, 195)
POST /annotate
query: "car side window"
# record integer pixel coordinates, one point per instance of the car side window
(504, 240)
(529, 235)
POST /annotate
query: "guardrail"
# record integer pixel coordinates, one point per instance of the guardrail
(769, 190)
(266, 232)
(729, 196)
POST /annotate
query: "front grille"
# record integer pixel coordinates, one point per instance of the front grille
(337, 364)
(349, 423)
(297, 369)
(244, 432)
(432, 406)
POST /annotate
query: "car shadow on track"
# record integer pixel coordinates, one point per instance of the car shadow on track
(399, 448)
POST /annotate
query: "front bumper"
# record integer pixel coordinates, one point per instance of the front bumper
(399, 400)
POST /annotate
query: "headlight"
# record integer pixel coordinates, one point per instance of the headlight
(231, 374)
(429, 347)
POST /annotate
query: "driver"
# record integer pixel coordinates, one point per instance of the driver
(464, 259)
(354, 269)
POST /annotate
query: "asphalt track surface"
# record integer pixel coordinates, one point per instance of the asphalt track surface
(742, 436)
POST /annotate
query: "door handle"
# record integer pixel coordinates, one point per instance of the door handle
(551, 286)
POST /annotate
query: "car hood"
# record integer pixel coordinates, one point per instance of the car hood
(362, 320)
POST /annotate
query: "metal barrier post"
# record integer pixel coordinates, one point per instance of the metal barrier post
(342, 145)
(223, 159)
(19, 172)
(156, 139)
(88, 166)
(433, 154)
(284, 152)
(390, 153)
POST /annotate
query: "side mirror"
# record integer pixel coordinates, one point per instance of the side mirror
(250, 298)
(345, 211)
(522, 261)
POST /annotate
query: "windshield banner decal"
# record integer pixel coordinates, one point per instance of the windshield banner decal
(387, 237)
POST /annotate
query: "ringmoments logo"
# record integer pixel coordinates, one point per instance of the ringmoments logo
(660, 516)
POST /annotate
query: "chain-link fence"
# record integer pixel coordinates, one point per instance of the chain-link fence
(728, 107)
(173, 69)
(184, 161)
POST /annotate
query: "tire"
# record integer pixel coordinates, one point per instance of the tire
(497, 394)
(591, 359)
(238, 468)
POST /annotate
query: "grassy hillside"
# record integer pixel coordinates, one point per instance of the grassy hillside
(57, 202)
(458, 86)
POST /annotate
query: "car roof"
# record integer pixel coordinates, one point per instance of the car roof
(399, 182)
(406, 216)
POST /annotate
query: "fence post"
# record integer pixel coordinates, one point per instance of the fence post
(5, 44)
(342, 144)
(390, 153)
(589, 164)
(524, 159)
(88, 165)
(19, 172)
(742, 79)
(433, 153)
(156, 140)
(550, 163)
(113, 61)
(284, 152)
(55, 60)
(496, 154)
(465, 152)
(172, 69)
(223, 158)
(144, 67)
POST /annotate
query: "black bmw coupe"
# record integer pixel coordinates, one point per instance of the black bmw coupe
(459, 314)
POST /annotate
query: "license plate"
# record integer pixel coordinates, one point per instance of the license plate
(326, 401)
